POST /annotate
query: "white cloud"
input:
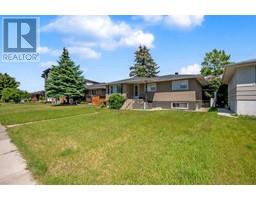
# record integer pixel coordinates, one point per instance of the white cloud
(153, 18)
(84, 52)
(99, 26)
(107, 33)
(47, 50)
(176, 21)
(190, 69)
(184, 21)
(136, 38)
(43, 50)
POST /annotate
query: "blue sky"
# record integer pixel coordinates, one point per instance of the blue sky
(104, 45)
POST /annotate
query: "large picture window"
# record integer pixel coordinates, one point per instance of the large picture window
(180, 85)
(151, 87)
(116, 89)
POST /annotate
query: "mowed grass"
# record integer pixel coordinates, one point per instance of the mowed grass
(21, 113)
(138, 147)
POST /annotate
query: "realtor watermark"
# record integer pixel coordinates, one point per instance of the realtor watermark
(20, 39)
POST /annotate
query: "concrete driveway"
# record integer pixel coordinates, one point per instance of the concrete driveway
(13, 168)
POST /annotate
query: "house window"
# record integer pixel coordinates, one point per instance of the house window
(116, 89)
(180, 85)
(180, 105)
(151, 87)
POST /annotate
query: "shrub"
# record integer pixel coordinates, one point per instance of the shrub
(212, 109)
(116, 101)
(11, 94)
(25, 96)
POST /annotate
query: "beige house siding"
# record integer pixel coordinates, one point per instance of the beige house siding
(164, 86)
(128, 89)
(194, 85)
(165, 93)
(142, 88)
(175, 96)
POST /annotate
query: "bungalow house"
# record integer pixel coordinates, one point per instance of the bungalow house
(168, 91)
(241, 80)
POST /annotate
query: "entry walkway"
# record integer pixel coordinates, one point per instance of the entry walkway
(13, 168)
(225, 112)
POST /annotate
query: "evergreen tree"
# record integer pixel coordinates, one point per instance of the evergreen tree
(144, 65)
(65, 79)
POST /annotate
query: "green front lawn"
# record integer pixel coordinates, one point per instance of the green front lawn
(134, 147)
(21, 113)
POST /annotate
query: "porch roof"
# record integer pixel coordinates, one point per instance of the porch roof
(96, 86)
(170, 77)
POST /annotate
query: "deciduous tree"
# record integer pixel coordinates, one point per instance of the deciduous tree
(6, 81)
(213, 68)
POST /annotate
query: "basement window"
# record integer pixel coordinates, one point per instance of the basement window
(180, 105)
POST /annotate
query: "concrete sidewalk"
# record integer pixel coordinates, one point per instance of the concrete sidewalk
(13, 168)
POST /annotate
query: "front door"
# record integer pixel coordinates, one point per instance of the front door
(136, 91)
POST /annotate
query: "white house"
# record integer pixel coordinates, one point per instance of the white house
(241, 80)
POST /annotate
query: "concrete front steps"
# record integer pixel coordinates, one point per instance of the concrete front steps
(130, 104)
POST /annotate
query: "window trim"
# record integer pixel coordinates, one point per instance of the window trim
(182, 108)
(180, 89)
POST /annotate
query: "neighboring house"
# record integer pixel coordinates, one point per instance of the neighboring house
(96, 93)
(90, 82)
(94, 88)
(241, 80)
(168, 91)
(37, 96)
(98, 89)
